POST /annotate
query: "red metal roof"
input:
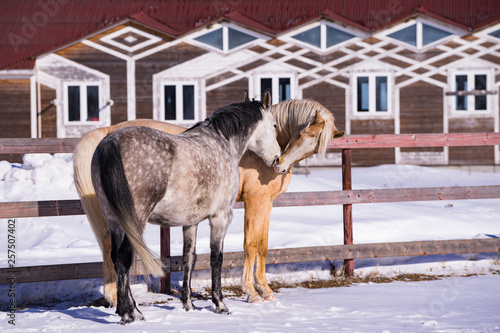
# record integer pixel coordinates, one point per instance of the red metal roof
(30, 28)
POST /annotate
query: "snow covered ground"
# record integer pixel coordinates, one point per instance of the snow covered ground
(454, 304)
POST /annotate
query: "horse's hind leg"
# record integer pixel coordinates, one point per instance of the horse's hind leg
(109, 272)
(122, 256)
(188, 262)
(218, 229)
(256, 209)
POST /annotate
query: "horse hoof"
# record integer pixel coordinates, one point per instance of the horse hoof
(127, 319)
(254, 299)
(224, 311)
(270, 298)
(189, 308)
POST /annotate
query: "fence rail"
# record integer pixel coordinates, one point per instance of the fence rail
(347, 197)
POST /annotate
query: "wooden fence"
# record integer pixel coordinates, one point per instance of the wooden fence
(347, 197)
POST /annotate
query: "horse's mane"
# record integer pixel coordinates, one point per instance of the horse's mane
(235, 118)
(293, 116)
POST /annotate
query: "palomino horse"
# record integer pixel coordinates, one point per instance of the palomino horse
(141, 174)
(304, 126)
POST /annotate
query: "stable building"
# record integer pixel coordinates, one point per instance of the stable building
(392, 67)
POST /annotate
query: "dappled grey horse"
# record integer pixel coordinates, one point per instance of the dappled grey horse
(142, 174)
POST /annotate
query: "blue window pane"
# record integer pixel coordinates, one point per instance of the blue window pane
(93, 103)
(363, 100)
(266, 84)
(461, 85)
(213, 38)
(381, 93)
(336, 36)
(431, 34)
(407, 35)
(170, 103)
(284, 86)
(74, 103)
(480, 84)
(237, 38)
(495, 34)
(311, 36)
(188, 102)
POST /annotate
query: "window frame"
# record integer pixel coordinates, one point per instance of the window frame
(372, 101)
(83, 102)
(225, 37)
(357, 36)
(471, 109)
(275, 85)
(419, 31)
(179, 102)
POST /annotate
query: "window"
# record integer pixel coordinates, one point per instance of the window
(281, 88)
(471, 92)
(419, 34)
(179, 102)
(495, 34)
(371, 94)
(82, 102)
(323, 36)
(225, 38)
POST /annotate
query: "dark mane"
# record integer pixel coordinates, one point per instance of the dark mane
(235, 118)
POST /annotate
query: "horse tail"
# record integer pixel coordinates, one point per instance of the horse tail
(82, 158)
(117, 191)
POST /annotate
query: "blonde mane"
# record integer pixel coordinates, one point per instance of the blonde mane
(293, 116)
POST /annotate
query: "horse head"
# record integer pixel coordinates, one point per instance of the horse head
(307, 142)
(263, 140)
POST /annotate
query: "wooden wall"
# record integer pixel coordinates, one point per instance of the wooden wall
(232, 93)
(373, 156)
(15, 112)
(421, 111)
(49, 112)
(471, 155)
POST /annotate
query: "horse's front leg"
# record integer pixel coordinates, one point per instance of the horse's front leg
(260, 267)
(218, 229)
(188, 262)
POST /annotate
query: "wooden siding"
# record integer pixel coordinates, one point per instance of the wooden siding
(115, 67)
(231, 93)
(471, 155)
(49, 112)
(373, 156)
(421, 111)
(146, 67)
(15, 110)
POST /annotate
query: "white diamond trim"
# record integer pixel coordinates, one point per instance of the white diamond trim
(151, 39)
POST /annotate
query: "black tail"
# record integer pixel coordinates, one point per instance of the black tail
(113, 180)
(117, 191)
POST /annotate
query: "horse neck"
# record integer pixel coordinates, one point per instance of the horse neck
(235, 146)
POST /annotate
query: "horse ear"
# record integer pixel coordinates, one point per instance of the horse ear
(319, 119)
(338, 134)
(246, 96)
(266, 98)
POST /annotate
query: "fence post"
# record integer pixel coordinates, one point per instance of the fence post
(165, 254)
(347, 186)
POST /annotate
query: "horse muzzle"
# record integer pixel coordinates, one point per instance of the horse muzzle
(278, 167)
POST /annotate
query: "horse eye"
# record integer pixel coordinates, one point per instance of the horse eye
(275, 126)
